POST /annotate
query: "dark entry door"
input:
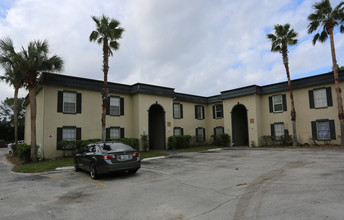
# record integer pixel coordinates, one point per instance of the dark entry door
(156, 127)
(240, 125)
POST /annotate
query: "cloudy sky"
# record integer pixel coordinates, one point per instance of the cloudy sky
(198, 47)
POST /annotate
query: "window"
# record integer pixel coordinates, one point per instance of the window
(218, 111)
(114, 132)
(320, 98)
(323, 130)
(278, 103)
(178, 131)
(218, 131)
(114, 106)
(199, 112)
(68, 102)
(177, 110)
(277, 130)
(68, 134)
(200, 134)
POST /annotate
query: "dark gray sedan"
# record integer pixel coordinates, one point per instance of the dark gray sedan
(105, 157)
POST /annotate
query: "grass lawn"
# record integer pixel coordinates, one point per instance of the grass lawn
(48, 165)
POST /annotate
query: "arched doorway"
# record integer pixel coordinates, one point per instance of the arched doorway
(156, 126)
(239, 125)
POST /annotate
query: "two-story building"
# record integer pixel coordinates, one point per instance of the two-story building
(69, 108)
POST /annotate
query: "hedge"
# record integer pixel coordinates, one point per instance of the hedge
(179, 141)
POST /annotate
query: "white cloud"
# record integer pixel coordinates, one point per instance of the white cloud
(199, 47)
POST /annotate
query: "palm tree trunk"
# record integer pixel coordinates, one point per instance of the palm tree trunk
(293, 112)
(105, 70)
(32, 98)
(15, 112)
(338, 90)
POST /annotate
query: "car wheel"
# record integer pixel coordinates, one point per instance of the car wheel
(133, 171)
(76, 166)
(93, 171)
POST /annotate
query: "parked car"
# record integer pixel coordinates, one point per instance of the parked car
(105, 157)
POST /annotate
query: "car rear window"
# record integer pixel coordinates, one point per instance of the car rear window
(117, 147)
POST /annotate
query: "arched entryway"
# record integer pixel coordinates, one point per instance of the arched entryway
(239, 125)
(156, 125)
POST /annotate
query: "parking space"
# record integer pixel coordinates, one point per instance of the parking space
(227, 184)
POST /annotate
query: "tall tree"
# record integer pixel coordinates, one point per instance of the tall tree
(283, 37)
(12, 76)
(33, 61)
(326, 19)
(107, 33)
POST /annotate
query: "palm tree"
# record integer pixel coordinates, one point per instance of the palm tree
(107, 33)
(33, 61)
(280, 41)
(8, 59)
(326, 19)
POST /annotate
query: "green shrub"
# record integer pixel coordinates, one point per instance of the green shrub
(286, 140)
(74, 145)
(222, 140)
(23, 152)
(179, 141)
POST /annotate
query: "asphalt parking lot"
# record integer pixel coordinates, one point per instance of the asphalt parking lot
(226, 184)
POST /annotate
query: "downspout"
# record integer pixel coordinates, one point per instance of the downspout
(43, 104)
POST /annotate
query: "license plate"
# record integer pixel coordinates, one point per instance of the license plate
(125, 157)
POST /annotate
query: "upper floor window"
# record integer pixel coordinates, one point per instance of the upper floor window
(323, 130)
(177, 110)
(199, 112)
(218, 111)
(320, 98)
(115, 106)
(278, 103)
(68, 102)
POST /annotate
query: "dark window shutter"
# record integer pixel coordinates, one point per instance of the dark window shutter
(215, 132)
(270, 104)
(284, 100)
(78, 133)
(182, 131)
(108, 106)
(203, 112)
(107, 132)
(196, 133)
(203, 134)
(196, 111)
(332, 129)
(122, 133)
(222, 111)
(59, 101)
(314, 130)
(272, 128)
(329, 96)
(311, 99)
(181, 110)
(223, 130)
(214, 111)
(122, 106)
(58, 138)
(78, 103)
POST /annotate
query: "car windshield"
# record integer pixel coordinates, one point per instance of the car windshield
(116, 147)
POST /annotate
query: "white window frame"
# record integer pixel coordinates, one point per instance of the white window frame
(199, 135)
(320, 98)
(68, 134)
(199, 112)
(115, 106)
(69, 98)
(279, 130)
(219, 110)
(323, 130)
(176, 110)
(276, 103)
(115, 132)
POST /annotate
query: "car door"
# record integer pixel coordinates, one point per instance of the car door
(88, 155)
